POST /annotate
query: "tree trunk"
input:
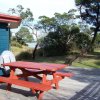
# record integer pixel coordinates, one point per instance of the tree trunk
(93, 39)
(34, 51)
(71, 58)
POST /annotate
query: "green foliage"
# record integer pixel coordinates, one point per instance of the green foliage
(63, 34)
(26, 15)
(51, 24)
(60, 42)
(16, 44)
(83, 41)
(23, 36)
(24, 55)
(97, 42)
(90, 12)
(98, 38)
(46, 23)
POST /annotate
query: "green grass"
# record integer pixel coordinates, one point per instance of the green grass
(57, 59)
(17, 50)
(97, 50)
(85, 62)
(89, 60)
(92, 60)
(93, 63)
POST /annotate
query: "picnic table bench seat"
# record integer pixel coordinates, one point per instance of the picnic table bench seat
(35, 87)
(64, 74)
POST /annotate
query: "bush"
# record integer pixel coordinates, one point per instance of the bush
(15, 43)
(25, 55)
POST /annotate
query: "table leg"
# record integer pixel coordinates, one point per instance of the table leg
(8, 87)
(12, 76)
(55, 81)
(45, 81)
(40, 95)
(44, 78)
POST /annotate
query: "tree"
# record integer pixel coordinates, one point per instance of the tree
(97, 42)
(27, 21)
(46, 24)
(83, 42)
(61, 30)
(90, 12)
(25, 14)
(60, 40)
(51, 24)
(63, 34)
(24, 36)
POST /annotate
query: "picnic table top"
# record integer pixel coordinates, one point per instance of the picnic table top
(35, 65)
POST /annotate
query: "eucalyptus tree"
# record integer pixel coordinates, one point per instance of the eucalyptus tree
(48, 24)
(25, 14)
(27, 21)
(61, 31)
(97, 42)
(90, 12)
(24, 36)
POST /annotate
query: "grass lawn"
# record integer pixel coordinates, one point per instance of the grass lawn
(89, 60)
(57, 59)
(17, 50)
(85, 62)
(94, 63)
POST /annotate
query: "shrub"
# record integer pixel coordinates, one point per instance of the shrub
(15, 43)
(25, 55)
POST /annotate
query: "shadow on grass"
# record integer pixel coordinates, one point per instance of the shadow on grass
(96, 53)
(57, 59)
(97, 63)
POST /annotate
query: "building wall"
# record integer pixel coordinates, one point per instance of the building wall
(4, 37)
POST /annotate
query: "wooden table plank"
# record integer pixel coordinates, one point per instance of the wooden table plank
(34, 65)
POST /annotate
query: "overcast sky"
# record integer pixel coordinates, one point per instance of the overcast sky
(39, 7)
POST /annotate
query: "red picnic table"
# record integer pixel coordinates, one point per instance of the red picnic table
(38, 70)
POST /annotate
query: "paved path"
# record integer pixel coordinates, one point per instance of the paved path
(85, 85)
